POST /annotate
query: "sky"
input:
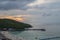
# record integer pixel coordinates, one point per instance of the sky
(28, 8)
(13, 7)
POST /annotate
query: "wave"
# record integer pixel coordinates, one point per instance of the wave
(50, 38)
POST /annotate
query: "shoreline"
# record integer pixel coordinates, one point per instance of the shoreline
(9, 36)
(2, 36)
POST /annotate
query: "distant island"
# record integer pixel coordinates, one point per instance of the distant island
(9, 24)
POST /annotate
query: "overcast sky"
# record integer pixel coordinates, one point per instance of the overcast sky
(16, 7)
(35, 11)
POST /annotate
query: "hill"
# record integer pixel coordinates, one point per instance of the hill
(12, 24)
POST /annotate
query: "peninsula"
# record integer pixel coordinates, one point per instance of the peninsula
(9, 24)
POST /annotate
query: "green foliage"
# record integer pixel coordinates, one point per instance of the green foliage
(8, 23)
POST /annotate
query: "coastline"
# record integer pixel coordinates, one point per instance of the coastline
(3, 37)
(6, 34)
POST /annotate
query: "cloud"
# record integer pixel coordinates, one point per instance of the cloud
(44, 4)
(25, 4)
(15, 7)
(37, 2)
(48, 8)
(14, 4)
(12, 12)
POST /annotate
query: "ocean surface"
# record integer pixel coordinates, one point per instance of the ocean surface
(49, 34)
(50, 23)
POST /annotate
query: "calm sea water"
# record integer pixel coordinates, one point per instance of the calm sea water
(51, 33)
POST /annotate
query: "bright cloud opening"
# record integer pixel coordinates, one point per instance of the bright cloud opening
(13, 18)
(37, 2)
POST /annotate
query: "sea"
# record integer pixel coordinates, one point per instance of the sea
(50, 34)
(49, 22)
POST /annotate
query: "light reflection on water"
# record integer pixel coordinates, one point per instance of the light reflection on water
(37, 35)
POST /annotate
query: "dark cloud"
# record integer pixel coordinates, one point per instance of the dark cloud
(14, 4)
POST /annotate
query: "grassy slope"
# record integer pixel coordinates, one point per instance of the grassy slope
(8, 23)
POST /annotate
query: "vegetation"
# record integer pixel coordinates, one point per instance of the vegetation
(8, 23)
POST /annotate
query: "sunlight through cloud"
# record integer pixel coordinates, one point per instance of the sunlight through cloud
(37, 2)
